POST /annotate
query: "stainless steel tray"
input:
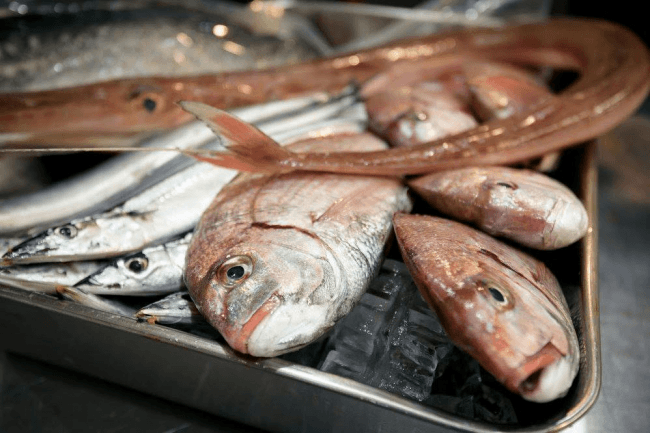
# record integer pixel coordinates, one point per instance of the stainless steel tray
(277, 395)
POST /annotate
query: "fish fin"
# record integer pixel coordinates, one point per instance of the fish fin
(249, 149)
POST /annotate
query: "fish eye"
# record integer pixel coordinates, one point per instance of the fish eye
(497, 295)
(67, 232)
(234, 271)
(137, 264)
(507, 184)
(149, 104)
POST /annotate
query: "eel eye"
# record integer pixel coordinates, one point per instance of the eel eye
(67, 232)
(235, 271)
(149, 104)
(137, 264)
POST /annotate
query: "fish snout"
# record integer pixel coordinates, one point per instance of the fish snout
(279, 327)
(546, 377)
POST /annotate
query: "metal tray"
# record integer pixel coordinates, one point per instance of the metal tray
(277, 395)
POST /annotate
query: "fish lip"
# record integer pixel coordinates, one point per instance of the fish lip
(548, 376)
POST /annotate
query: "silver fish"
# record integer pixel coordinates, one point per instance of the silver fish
(54, 274)
(153, 271)
(276, 260)
(42, 52)
(165, 210)
(123, 176)
(528, 207)
(501, 306)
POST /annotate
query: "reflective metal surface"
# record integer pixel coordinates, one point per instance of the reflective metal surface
(274, 394)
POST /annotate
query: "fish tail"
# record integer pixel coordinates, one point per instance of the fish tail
(249, 149)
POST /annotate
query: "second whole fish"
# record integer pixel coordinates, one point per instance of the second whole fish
(501, 306)
(523, 205)
(276, 260)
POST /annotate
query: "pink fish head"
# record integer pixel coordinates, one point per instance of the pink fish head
(271, 291)
(501, 306)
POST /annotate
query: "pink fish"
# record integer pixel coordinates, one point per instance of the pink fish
(523, 205)
(276, 260)
(501, 306)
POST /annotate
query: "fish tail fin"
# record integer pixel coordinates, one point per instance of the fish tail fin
(249, 149)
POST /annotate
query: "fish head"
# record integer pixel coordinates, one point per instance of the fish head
(502, 307)
(148, 272)
(269, 293)
(516, 335)
(90, 237)
(61, 243)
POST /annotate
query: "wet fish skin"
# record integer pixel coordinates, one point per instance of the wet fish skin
(161, 212)
(153, 271)
(276, 260)
(418, 114)
(60, 273)
(522, 205)
(498, 304)
(171, 207)
(41, 52)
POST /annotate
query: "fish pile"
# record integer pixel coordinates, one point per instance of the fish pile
(278, 230)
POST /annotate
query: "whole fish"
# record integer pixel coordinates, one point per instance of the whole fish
(523, 205)
(155, 270)
(42, 52)
(614, 67)
(276, 260)
(498, 304)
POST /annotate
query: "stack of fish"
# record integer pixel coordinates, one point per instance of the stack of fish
(283, 253)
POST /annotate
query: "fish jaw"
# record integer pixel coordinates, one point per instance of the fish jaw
(525, 339)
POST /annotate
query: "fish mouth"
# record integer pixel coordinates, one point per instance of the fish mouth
(547, 377)
(280, 327)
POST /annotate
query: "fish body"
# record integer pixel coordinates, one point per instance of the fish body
(153, 271)
(61, 273)
(276, 260)
(498, 304)
(522, 205)
(614, 66)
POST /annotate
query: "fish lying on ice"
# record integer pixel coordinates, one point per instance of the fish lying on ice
(276, 260)
(523, 205)
(498, 304)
